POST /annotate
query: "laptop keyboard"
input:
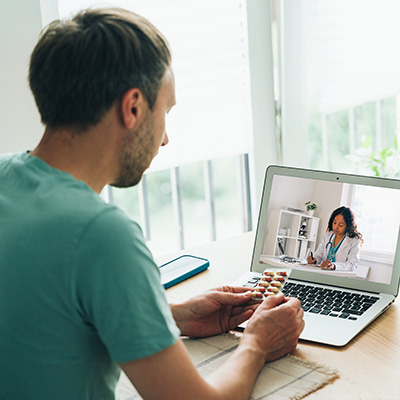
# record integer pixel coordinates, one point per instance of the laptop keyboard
(330, 302)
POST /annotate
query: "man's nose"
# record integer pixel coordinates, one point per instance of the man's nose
(166, 140)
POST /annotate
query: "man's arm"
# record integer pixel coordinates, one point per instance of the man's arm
(272, 332)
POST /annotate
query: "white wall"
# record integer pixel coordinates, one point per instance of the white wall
(262, 93)
(294, 192)
(20, 24)
(294, 94)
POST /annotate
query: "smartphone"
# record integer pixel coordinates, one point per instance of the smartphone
(181, 268)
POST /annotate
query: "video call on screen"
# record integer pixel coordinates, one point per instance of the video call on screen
(376, 211)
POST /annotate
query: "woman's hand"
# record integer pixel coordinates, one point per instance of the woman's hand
(214, 312)
(311, 260)
(327, 264)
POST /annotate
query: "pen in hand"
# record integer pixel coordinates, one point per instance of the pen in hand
(310, 258)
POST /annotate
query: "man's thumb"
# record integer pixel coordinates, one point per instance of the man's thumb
(273, 301)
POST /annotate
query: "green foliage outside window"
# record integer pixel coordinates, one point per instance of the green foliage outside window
(384, 163)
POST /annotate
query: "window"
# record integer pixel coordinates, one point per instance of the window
(151, 203)
(339, 82)
(377, 219)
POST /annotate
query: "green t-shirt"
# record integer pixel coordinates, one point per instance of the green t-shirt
(79, 290)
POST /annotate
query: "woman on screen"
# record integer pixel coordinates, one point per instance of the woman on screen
(340, 247)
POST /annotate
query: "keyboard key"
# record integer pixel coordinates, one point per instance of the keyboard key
(352, 311)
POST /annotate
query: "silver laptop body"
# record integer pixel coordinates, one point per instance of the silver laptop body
(346, 301)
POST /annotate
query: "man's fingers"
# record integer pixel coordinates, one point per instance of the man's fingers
(239, 289)
(239, 310)
(232, 289)
(234, 299)
(238, 319)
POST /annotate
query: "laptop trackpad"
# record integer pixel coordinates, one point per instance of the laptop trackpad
(328, 330)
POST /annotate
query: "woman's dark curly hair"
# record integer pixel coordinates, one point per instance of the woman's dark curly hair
(349, 219)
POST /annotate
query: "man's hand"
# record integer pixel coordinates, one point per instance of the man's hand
(214, 312)
(275, 327)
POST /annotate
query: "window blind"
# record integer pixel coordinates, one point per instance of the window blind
(355, 46)
(208, 38)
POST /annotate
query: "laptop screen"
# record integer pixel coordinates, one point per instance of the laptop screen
(355, 226)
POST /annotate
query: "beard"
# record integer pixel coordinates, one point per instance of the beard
(136, 154)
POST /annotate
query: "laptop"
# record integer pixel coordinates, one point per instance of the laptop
(339, 303)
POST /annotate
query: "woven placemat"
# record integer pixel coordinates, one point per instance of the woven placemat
(287, 378)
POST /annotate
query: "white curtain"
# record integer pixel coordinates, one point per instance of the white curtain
(354, 44)
(208, 38)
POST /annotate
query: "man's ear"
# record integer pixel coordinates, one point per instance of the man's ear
(133, 105)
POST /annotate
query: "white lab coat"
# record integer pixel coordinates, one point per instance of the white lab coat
(347, 256)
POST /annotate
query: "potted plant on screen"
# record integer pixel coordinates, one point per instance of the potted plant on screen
(310, 207)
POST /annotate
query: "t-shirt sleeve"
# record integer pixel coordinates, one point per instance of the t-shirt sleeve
(116, 285)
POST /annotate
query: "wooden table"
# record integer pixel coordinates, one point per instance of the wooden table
(369, 365)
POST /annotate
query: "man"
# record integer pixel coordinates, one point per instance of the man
(80, 295)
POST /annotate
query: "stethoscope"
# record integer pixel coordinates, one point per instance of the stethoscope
(329, 243)
(330, 253)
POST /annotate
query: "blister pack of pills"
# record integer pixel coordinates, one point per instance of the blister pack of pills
(271, 283)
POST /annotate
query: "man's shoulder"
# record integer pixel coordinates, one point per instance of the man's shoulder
(102, 222)
(81, 206)
(8, 158)
(53, 197)
(108, 217)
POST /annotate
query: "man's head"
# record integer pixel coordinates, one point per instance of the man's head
(82, 66)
